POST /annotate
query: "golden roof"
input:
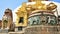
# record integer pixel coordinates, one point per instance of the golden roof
(37, 6)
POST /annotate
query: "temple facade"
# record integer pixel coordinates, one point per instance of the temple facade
(42, 18)
(21, 21)
(26, 11)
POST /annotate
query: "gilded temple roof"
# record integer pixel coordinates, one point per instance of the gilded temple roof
(32, 3)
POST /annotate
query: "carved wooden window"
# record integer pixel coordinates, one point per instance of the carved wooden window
(34, 20)
(52, 20)
(20, 28)
(21, 20)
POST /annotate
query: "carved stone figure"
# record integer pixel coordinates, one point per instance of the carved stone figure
(7, 19)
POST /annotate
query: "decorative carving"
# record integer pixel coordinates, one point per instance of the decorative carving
(51, 6)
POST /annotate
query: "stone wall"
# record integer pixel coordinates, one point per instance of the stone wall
(39, 30)
(42, 30)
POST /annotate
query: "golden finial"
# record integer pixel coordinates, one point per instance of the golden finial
(24, 4)
(29, 8)
(23, 7)
(40, 5)
(51, 6)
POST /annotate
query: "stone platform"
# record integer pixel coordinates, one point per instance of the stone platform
(42, 30)
(36, 30)
(3, 31)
